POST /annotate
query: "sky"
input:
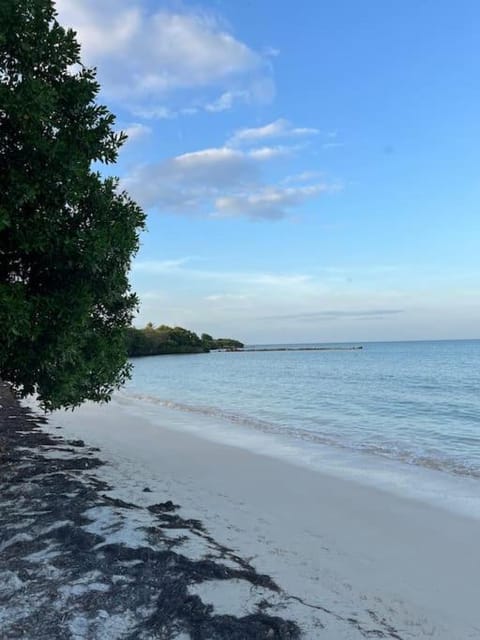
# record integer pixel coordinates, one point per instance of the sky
(310, 170)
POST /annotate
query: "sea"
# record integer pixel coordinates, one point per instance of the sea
(401, 416)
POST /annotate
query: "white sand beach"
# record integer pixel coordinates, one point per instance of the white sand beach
(353, 561)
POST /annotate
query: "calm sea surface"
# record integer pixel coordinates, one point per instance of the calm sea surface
(416, 403)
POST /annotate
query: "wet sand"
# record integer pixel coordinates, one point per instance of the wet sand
(351, 561)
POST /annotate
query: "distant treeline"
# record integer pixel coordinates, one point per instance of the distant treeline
(154, 341)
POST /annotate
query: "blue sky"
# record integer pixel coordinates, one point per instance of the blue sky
(310, 170)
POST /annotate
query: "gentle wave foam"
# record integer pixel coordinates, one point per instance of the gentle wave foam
(415, 405)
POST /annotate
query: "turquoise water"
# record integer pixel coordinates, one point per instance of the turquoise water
(417, 403)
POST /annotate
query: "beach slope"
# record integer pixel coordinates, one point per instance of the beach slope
(340, 560)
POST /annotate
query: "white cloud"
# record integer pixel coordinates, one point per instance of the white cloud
(269, 203)
(226, 181)
(280, 128)
(221, 182)
(136, 130)
(227, 100)
(267, 153)
(209, 158)
(144, 57)
(186, 183)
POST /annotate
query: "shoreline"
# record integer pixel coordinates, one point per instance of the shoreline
(261, 349)
(244, 350)
(350, 561)
(342, 551)
(428, 484)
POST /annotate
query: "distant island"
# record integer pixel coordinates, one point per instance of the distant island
(163, 340)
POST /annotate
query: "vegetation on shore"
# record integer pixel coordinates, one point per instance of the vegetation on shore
(161, 340)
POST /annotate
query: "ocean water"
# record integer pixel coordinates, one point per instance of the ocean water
(391, 410)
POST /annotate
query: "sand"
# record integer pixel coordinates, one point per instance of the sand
(78, 564)
(352, 561)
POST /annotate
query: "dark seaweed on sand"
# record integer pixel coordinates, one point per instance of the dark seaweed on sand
(43, 502)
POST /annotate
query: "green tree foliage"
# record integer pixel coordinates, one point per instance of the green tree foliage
(67, 235)
(207, 341)
(227, 343)
(162, 340)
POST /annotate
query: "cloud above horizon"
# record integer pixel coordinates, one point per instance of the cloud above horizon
(269, 203)
(280, 128)
(267, 303)
(163, 62)
(278, 305)
(227, 181)
(218, 182)
(136, 131)
(337, 314)
(149, 60)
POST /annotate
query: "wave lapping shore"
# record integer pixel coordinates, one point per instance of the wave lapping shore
(416, 404)
(259, 548)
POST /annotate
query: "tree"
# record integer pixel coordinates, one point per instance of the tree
(207, 341)
(67, 235)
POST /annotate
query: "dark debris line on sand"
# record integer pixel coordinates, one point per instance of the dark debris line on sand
(68, 573)
(60, 580)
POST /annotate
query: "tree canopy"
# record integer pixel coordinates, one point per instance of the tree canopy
(67, 234)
